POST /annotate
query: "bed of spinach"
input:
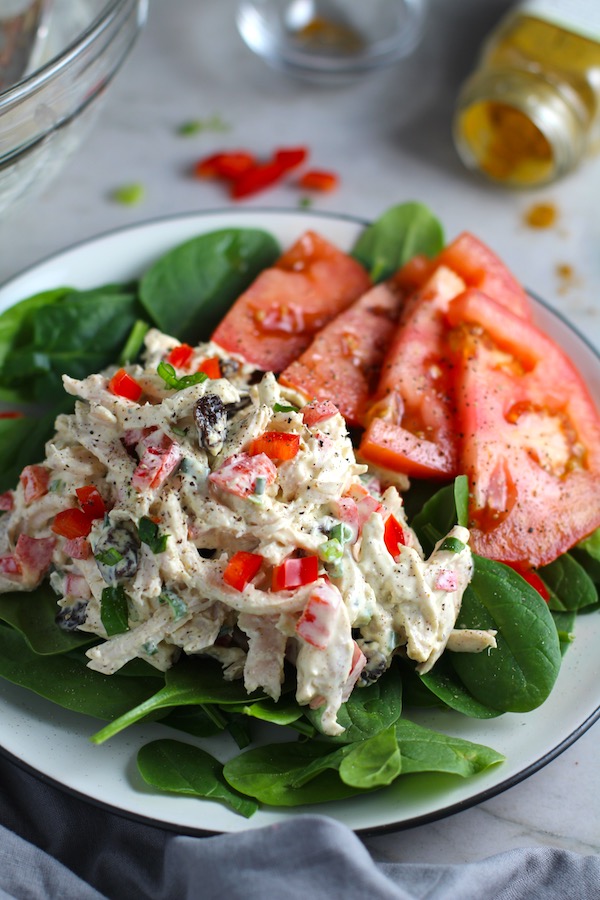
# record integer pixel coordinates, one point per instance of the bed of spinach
(185, 292)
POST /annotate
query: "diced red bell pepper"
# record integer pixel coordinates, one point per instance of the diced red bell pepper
(276, 445)
(366, 505)
(211, 367)
(294, 572)
(318, 180)
(359, 661)
(160, 456)
(238, 474)
(34, 555)
(229, 165)
(124, 385)
(77, 548)
(318, 411)
(241, 569)
(317, 622)
(290, 157)
(72, 523)
(12, 414)
(35, 482)
(77, 586)
(256, 179)
(393, 536)
(91, 501)
(9, 565)
(180, 356)
(7, 501)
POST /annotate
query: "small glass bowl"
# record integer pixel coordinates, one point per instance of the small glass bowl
(334, 41)
(45, 116)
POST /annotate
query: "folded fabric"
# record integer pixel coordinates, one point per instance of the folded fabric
(310, 854)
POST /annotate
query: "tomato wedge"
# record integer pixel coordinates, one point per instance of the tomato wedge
(531, 446)
(342, 363)
(274, 320)
(411, 423)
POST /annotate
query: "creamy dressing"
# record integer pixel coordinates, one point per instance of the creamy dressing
(206, 497)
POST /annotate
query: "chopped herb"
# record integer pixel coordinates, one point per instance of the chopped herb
(169, 376)
(180, 432)
(56, 485)
(178, 606)
(341, 532)
(129, 194)
(197, 126)
(150, 647)
(134, 342)
(284, 407)
(305, 202)
(452, 544)
(260, 485)
(109, 557)
(331, 551)
(113, 610)
(149, 534)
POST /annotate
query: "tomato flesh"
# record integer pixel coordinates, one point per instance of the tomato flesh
(531, 436)
(275, 319)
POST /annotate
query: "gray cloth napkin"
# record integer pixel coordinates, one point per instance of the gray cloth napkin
(91, 854)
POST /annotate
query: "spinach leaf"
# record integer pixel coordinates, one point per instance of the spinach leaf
(33, 615)
(441, 512)
(443, 682)
(82, 332)
(587, 554)
(195, 720)
(570, 586)
(192, 682)
(63, 680)
(424, 750)
(519, 674)
(184, 769)
(403, 231)
(367, 711)
(22, 442)
(290, 774)
(16, 321)
(565, 623)
(374, 762)
(188, 290)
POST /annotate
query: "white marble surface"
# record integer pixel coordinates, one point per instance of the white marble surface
(389, 139)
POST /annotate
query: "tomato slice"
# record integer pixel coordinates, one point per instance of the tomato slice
(276, 445)
(480, 268)
(343, 361)
(531, 445)
(295, 572)
(411, 421)
(275, 319)
(241, 569)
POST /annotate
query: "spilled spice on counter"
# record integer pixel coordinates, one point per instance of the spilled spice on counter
(541, 215)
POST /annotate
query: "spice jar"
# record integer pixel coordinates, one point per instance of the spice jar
(531, 108)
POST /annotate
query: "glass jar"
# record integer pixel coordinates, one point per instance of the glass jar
(531, 108)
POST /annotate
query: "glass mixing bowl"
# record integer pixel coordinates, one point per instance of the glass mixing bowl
(45, 116)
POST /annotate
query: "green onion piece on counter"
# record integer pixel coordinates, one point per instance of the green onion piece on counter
(452, 545)
(129, 194)
(109, 557)
(114, 610)
(178, 606)
(150, 535)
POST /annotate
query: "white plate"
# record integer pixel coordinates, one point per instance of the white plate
(54, 742)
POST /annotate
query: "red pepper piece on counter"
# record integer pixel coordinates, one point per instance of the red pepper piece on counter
(290, 157)
(256, 179)
(318, 180)
(276, 445)
(241, 569)
(228, 164)
(123, 385)
(295, 572)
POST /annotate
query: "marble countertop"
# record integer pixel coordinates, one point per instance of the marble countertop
(389, 139)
